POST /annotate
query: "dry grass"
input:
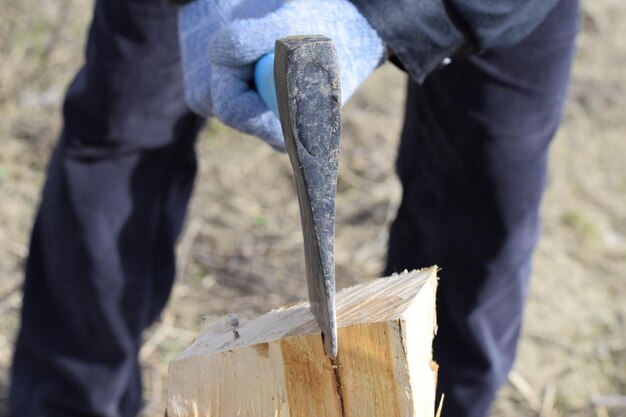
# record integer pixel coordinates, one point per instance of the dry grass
(242, 251)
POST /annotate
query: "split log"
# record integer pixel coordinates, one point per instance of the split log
(275, 365)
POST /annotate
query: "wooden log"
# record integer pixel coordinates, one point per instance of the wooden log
(275, 365)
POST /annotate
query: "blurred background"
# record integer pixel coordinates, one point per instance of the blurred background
(241, 251)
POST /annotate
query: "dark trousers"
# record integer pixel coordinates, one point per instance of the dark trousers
(101, 265)
(472, 162)
(101, 261)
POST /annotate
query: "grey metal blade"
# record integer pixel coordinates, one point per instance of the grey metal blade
(306, 73)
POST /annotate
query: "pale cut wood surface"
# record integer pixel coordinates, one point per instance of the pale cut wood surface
(275, 365)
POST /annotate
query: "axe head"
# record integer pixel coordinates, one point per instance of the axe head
(306, 75)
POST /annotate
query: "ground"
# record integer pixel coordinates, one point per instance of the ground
(242, 252)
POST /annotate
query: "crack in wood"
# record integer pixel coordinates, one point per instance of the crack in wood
(338, 385)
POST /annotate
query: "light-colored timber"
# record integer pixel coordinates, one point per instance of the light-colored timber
(275, 365)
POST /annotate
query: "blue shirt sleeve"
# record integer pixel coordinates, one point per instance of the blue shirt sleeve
(422, 33)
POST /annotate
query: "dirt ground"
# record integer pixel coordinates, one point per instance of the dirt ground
(242, 252)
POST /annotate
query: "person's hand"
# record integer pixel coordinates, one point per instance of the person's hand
(234, 50)
(197, 21)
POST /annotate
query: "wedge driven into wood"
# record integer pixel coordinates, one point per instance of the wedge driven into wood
(306, 74)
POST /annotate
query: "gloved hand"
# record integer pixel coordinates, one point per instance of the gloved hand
(197, 21)
(234, 50)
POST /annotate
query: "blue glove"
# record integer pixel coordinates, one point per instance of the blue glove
(197, 21)
(234, 50)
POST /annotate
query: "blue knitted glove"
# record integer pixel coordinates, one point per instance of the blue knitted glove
(235, 48)
(197, 21)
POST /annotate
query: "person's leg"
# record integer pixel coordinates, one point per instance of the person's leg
(101, 261)
(472, 162)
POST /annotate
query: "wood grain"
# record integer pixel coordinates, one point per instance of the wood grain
(277, 366)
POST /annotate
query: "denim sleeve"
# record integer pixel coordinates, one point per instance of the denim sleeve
(422, 33)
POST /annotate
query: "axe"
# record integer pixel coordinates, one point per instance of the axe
(301, 85)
